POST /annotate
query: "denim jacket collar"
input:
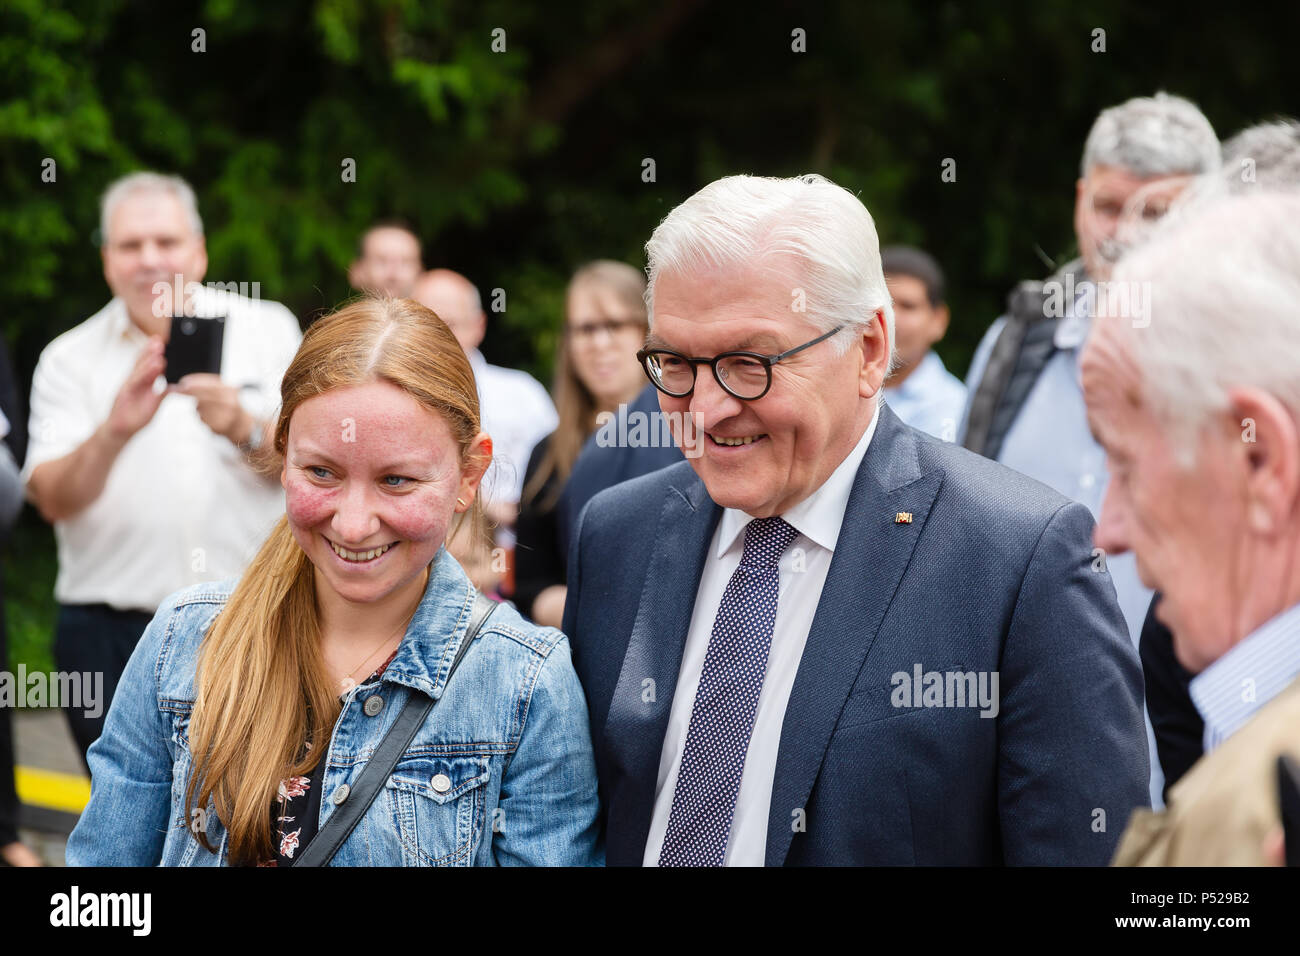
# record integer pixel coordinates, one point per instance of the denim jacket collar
(436, 630)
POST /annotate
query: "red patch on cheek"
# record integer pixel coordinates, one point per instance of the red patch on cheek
(307, 505)
(417, 517)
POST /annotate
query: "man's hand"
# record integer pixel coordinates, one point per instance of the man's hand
(218, 406)
(65, 486)
(136, 400)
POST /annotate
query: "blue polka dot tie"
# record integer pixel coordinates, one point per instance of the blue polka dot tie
(722, 717)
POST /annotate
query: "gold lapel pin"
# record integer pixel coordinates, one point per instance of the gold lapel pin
(903, 517)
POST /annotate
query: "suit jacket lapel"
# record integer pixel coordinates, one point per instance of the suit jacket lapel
(638, 712)
(870, 557)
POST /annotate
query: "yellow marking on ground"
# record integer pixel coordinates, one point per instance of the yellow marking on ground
(69, 792)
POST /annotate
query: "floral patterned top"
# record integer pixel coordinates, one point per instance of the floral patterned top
(296, 810)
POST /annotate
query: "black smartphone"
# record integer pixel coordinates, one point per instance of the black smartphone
(194, 346)
(1288, 780)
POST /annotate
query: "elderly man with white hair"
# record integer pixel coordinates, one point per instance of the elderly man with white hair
(1025, 409)
(844, 642)
(1263, 158)
(1198, 407)
(150, 487)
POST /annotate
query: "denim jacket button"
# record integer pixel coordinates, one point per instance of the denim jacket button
(440, 782)
(373, 705)
(339, 795)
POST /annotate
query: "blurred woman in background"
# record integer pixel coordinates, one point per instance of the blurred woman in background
(595, 371)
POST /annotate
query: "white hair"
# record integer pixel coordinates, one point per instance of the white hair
(1263, 157)
(148, 182)
(1149, 136)
(1224, 284)
(740, 220)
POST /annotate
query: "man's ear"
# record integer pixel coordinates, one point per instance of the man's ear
(873, 340)
(1080, 186)
(940, 319)
(356, 275)
(1269, 459)
(480, 332)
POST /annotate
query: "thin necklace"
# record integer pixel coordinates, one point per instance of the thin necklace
(348, 682)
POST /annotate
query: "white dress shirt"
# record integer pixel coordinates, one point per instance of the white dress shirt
(517, 412)
(802, 572)
(181, 505)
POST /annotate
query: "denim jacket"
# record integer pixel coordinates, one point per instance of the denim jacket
(501, 772)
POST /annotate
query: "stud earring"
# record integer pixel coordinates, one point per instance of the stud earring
(461, 503)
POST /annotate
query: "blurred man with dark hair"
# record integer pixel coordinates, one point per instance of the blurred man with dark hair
(920, 390)
(388, 260)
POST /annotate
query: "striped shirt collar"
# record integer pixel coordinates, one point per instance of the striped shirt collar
(1229, 692)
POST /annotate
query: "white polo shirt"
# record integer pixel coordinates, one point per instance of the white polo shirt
(181, 505)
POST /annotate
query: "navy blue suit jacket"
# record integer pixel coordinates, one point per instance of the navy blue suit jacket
(602, 466)
(995, 572)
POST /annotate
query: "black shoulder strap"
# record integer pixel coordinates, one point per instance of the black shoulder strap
(374, 775)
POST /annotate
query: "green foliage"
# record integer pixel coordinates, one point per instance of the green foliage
(517, 166)
(30, 566)
(527, 159)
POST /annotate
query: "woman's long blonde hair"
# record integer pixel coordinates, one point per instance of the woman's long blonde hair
(574, 403)
(262, 688)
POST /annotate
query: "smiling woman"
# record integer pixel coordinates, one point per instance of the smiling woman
(249, 696)
(372, 513)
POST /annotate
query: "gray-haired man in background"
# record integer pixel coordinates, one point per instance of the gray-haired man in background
(1026, 407)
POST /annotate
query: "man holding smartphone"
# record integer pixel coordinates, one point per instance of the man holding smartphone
(149, 487)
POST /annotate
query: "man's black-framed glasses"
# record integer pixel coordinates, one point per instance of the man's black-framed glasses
(746, 375)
